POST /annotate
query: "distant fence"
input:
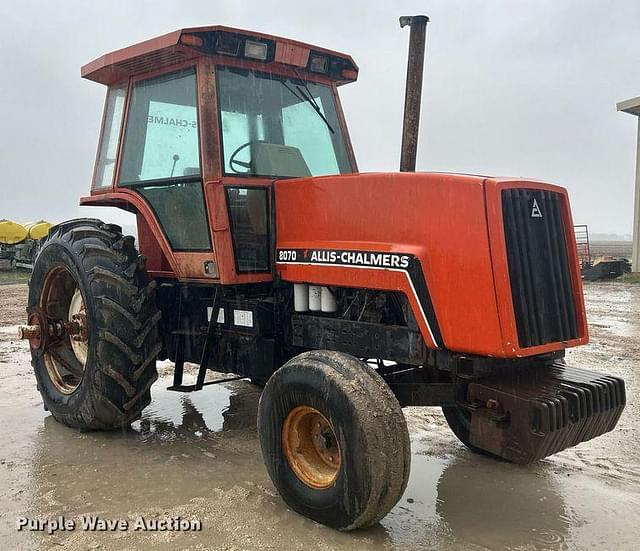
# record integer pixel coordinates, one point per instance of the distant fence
(582, 242)
(617, 249)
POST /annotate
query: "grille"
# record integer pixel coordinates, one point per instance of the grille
(543, 301)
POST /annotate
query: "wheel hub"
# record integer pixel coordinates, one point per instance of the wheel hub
(311, 447)
(58, 329)
(78, 315)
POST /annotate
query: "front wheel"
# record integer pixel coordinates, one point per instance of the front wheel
(334, 439)
(459, 421)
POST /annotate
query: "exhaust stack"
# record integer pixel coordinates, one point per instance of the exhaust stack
(413, 92)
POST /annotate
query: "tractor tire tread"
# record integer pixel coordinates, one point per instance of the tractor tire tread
(385, 453)
(126, 333)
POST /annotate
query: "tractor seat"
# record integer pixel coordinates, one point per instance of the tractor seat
(272, 159)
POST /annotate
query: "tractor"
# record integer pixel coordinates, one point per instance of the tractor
(263, 252)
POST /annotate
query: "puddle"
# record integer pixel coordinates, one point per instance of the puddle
(197, 454)
(466, 500)
(191, 414)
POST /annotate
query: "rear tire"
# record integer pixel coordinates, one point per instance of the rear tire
(365, 443)
(89, 261)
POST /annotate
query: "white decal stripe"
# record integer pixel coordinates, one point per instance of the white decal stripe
(406, 274)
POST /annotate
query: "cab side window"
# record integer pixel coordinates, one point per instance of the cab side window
(161, 157)
(162, 130)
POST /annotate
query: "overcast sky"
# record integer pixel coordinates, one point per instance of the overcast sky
(514, 88)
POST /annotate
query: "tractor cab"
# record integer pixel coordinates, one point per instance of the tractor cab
(197, 125)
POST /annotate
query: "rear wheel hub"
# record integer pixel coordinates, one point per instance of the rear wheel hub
(63, 330)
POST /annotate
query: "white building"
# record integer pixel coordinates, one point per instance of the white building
(632, 106)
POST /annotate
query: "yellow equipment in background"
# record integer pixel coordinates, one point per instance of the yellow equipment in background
(38, 230)
(12, 233)
(20, 244)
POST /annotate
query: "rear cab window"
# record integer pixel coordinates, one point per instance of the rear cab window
(108, 151)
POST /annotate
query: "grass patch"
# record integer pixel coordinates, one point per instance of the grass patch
(14, 276)
(632, 277)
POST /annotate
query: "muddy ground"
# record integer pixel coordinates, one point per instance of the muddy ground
(197, 456)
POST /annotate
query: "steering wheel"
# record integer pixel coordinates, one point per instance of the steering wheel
(244, 164)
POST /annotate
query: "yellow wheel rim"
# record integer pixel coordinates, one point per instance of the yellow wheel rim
(311, 447)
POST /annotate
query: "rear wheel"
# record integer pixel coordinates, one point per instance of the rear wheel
(334, 439)
(95, 357)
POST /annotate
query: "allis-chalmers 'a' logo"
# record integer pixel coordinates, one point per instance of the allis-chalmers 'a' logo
(535, 210)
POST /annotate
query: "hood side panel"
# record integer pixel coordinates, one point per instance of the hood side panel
(440, 219)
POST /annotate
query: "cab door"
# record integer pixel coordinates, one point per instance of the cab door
(160, 161)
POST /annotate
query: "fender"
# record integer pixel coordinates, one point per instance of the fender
(162, 261)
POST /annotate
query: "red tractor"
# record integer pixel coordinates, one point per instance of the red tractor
(263, 252)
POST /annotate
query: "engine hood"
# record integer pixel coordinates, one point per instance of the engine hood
(428, 235)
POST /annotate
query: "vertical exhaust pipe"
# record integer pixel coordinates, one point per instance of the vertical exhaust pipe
(413, 92)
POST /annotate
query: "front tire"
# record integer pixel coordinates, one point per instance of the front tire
(459, 421)
(334, 439)
(88, 271)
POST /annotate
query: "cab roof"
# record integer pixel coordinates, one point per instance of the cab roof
(223, 43)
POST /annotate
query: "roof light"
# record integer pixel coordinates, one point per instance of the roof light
(318, 64)
(255, 50)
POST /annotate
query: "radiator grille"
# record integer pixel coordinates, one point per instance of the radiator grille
(541, 287)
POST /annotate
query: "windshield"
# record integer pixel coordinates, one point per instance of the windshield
(277, 126)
